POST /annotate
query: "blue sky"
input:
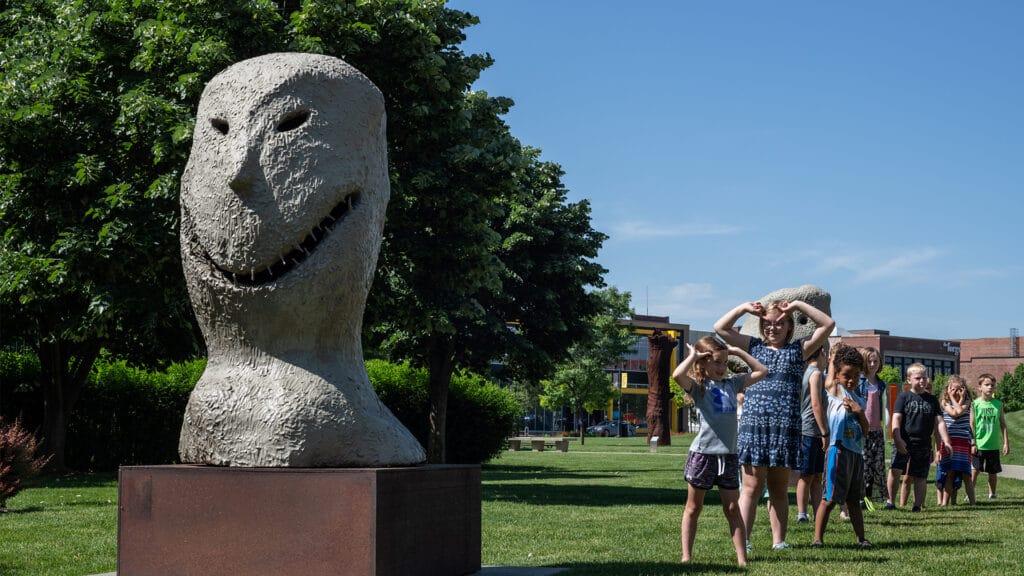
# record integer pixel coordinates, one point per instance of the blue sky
(731, 148)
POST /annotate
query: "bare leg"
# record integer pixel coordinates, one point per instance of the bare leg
(890, 481)
(778, 496)
(694, 504)
(920, 487)
(947, 492)
(815, 491)
(821, 519)
(753, 483)
(903, 490)
(969, 486)
(993, 479)
(731, 507)
(803, 493)
(856, 518)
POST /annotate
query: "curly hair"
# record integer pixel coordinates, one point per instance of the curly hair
(848, 356)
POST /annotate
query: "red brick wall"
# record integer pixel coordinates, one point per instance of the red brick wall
(987, 355)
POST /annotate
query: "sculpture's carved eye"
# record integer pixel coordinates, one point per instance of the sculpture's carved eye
(293, 120)
(219, 125)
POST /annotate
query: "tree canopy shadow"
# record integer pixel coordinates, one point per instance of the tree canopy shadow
(545, 494)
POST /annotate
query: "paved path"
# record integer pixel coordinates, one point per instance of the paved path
(1012, 471)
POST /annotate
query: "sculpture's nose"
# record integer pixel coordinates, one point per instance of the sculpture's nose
(245, 172)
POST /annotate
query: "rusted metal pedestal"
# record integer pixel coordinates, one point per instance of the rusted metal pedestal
(191, 520)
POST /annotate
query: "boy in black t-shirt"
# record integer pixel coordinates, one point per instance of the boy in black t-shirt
(915, 418)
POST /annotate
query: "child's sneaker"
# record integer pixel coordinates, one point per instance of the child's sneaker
(865, 544)
(915, 509)
(802, 518)
(780, 546)
(890, 506)
(750, 547)
(817, 544)
(843, 515)
(991, 496)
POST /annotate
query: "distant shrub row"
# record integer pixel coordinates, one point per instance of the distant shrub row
(128, 415)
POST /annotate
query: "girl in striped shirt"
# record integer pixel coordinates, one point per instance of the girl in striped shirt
(953, 469)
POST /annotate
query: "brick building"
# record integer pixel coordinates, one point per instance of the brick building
(995, 356)
(939, 356)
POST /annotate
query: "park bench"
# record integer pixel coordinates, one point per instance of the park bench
(538, 444)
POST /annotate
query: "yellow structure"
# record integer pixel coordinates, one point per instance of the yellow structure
(630, 374)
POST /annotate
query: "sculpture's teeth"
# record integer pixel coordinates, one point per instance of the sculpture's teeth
(252, 274)
(348, 202)
(283, 260)
(313, 234)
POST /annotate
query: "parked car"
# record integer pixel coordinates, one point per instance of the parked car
(612, 428)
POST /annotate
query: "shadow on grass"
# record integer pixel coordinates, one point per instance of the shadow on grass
(901, 544)
(25, 510)
(650, 568)
(502, 472)
(87, 480)
(542, 494)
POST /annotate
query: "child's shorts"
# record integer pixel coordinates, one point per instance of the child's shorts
(706, 470)
(942, 471)
(844, 475)
(814, 456)
(915, 462)
(988, 461)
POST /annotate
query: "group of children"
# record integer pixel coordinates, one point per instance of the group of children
(824, 415)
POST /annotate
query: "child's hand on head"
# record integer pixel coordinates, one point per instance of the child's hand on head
(755, 308)
(784, 306)
(698, 355)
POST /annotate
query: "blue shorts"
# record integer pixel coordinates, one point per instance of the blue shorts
(814, 456)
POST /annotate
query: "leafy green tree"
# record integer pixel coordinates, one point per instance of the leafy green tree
(581, 381)
(890, 375)
(96, 105)
(1011, 389)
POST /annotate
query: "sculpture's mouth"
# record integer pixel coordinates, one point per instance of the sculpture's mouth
(304, 249)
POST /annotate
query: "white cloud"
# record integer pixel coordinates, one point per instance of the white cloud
(639, 229)
(686, 303)
(898, 265)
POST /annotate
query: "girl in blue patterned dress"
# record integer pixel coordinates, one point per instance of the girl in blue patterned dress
(769, 440)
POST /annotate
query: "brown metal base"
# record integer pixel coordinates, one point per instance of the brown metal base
(192, 520)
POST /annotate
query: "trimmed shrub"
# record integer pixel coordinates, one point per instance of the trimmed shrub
(128, 415)
(18, 459)
(21, 396)
(480, 414)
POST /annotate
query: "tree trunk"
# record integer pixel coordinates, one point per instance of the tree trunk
(659, 395)
(63, 377)
(583, 426)
(441, 363)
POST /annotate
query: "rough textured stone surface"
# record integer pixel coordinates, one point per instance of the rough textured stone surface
(803, 326)
(283, 205)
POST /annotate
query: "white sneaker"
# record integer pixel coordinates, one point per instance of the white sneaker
(780, 546)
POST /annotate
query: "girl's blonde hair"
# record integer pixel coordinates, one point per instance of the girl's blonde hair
(866, 352)
(774, 307)
(955, 378)
(705, 344)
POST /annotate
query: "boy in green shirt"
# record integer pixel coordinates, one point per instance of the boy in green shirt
(989, 426)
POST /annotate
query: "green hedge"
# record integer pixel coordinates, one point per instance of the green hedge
(128, 415)
(480, 414)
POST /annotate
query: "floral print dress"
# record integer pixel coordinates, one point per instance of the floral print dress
(769, 432)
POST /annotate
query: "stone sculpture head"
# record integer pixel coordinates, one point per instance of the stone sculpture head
(283, 205)
(283, 201)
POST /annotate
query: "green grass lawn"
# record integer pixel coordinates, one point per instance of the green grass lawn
(608, 507)
(1015, 428)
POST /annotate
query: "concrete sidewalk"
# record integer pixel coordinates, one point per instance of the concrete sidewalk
(1012, 471)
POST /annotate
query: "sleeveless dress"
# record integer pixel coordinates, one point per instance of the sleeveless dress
(770, 428)
(960, 460)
